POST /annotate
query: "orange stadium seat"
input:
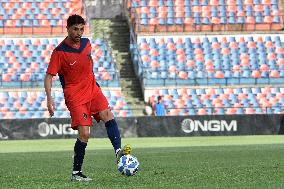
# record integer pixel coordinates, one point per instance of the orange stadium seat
(182, 16)
(27, 17)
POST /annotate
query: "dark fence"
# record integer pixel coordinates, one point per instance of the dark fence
(183, 126)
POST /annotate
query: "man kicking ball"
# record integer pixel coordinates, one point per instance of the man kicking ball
(72, 61)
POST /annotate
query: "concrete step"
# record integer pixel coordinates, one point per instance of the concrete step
(115, 42)
(135, 91)
(130, 82)
(118, 45)
(128, 76)
(138, 103)
(125, 54)
(133, 87)
(122, 49)
(125, 71)
(118, 33)
(127, 81)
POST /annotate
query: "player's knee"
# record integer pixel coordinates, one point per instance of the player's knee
(84, 136)
(106, 115)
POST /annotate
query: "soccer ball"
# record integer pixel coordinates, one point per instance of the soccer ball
(128, 165)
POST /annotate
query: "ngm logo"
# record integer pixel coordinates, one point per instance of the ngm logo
(45, 129)
(189, 125)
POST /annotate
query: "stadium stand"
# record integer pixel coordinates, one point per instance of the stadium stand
(37, 17)
(204, 15)
(32, 104)
(221, 100)
(23, 61)
(206, 60)
(23, 64)
(212, 72)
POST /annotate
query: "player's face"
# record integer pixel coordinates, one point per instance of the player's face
(75, 32)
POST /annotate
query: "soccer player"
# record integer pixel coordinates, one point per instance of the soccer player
(72, 61)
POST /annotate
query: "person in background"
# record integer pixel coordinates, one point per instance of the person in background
(151, 103)
(160, 108)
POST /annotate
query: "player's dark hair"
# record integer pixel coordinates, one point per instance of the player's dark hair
(75, 19)
(159, 98)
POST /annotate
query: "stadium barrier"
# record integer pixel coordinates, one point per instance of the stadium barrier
(21, 79)
(36, 29)
(181, 126)
(147, 79)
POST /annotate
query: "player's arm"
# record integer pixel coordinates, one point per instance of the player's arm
(52, 70)
(89, 47)
(91, 60)
(47, 87)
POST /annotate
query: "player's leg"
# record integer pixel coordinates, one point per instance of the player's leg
(113, 133)
(100, 109)
(81, 120)
(2, 135)
(79, 154)
(112, 129)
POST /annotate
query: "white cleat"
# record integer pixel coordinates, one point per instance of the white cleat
(80, 177)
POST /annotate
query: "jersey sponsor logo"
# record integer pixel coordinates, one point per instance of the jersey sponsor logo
(189, 125)
(85, 115)
(71, 64)
(45, 129)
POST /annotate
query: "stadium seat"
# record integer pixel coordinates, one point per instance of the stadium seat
(222, 100)
(31, 57)
(24, 105)
(213, 60)
(213, 15)
(22, 17)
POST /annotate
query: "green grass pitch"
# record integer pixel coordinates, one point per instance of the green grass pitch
(184, 162)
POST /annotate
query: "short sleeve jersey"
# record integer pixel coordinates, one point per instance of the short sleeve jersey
(75, 70)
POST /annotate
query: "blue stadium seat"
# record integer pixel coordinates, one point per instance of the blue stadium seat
(276, 19)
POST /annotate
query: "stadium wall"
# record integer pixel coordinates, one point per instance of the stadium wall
(180, 126)
(104, 8)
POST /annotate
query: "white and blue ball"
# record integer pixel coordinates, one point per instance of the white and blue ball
(128, 165)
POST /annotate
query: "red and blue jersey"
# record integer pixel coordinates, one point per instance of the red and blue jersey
(75, 69)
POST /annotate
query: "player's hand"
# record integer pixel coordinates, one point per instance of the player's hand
(50, 106)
